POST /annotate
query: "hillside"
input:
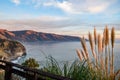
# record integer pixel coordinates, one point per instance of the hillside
(29, 35)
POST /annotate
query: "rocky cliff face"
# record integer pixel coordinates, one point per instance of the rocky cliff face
(11, 49)
(29, 35)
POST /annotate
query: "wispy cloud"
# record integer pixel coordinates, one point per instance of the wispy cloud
(17, 2)
(51, 18)
(89, 6)
(72, 6)
(77, 6)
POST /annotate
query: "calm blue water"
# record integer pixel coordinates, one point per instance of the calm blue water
(62, 51)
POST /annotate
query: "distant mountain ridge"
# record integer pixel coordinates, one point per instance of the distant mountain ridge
(30, 35)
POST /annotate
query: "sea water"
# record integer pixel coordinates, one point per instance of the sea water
(62, 51)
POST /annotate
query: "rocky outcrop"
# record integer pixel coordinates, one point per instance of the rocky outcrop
(11, 49)
(29, 35)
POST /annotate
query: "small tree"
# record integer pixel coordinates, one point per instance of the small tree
(31, 62)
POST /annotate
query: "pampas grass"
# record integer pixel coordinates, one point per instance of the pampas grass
(84, 55)
(83, 43)
(106, 36)
(91, 44)
(79, 54)
(112, 57)
(104, 64)
(112, 37)
(99, 44)
(95, 36)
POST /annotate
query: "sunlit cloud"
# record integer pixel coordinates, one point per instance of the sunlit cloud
(59, 26)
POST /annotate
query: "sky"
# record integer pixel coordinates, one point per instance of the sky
(66, 17)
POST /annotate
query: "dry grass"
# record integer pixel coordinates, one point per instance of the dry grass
(104, 64)
(83, 43)
(95, 36)
(99, 44)
(79, 54)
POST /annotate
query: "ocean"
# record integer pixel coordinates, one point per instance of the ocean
(62, 51)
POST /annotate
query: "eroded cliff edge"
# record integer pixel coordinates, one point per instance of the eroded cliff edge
(10, 50)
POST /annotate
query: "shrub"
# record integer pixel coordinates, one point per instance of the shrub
(31, 62)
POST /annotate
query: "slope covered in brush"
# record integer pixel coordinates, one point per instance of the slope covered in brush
(29, 35)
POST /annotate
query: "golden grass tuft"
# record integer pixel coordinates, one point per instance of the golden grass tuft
(112, 57)
(91, 41)
(112, 37)
(106, 36)
(95, 36)
(99, 43)
(85, 47)
(91, 44)
(103, 41)
(79, 54)
(84, 55)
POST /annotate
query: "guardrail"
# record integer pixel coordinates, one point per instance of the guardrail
(27, 73)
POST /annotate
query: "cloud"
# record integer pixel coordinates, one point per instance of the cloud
(54, 24)
(42, 22)
(77, 6)
(86, 6)
(51, 18)
(67, 7)
(17, 2)
(45, 3)
(72, 6)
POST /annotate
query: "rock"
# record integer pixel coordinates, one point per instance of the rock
(13, 49)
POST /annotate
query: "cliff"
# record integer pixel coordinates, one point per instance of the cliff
(10, 50)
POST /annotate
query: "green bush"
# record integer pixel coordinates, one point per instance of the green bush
(31, 62)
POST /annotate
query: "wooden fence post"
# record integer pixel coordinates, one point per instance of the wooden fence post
(35, 76)
(8, 72)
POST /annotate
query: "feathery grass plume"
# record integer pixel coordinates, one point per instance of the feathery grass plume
(106, 36)
(91, 44)
(99, 43)
(84, 47)
(106, 49)
(112, 37)
(83, 54)
(100, 50)
(108, 55)
(79, 54)
(91, 41)
(95, 41)
(95, 36)
(103, 41)
(112, 57)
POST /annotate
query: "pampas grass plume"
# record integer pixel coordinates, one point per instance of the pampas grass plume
(79, 54)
